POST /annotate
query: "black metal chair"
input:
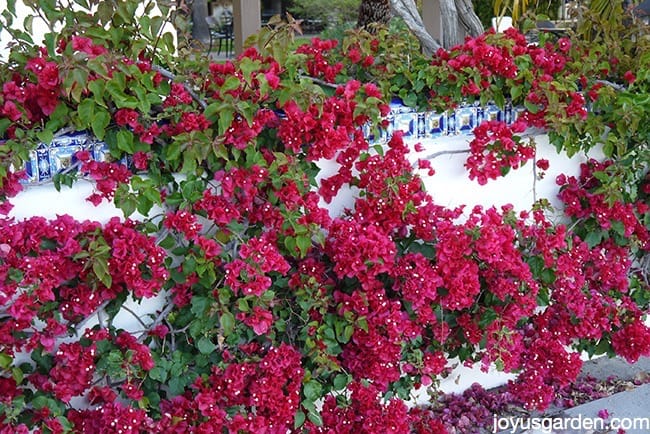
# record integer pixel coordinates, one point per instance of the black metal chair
(222, 35)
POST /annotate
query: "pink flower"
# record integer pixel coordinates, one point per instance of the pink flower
(272, 79)
(564, 44)
(140, 160)
(159, 331)
(372, 90)
(542, 164)
(4, 250)
(11, 111)
(260, 320)
(86, 45)
(83, 156)
(127, 117)
(632, 341)
(354, 55)
(629, 77)
(426, 164)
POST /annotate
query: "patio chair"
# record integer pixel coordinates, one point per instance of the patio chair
(221, 34)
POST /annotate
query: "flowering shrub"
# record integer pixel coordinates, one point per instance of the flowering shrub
(278, 316)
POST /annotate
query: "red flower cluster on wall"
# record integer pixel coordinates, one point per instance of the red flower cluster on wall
(277, 316)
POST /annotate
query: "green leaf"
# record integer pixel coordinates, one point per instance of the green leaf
(500, 100)
(86, 112)
(315, 418)
(227, 322)
(98, 87)
(299, 419)
(531, 107)
(45, 136)
(205, 345)
(290, 244)
(100, 268)
(43, 361)
(16, 275)
(200, 305)
(177, 385)
(100, 122)
(348, 331)
(231, 83)
(593, 238)
(547, 276)
(543, 297)
(304, 244)
(125, 141)
(225, 119)
(410, 100)
(125, 200)
(618, 227)
(312, 390)
(487, 318)
(4, 124)
(5, 360)
(172, 151)
(17, 374)
(341, 381)
(168, 242)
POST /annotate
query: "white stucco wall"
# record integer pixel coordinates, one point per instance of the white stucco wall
(450, 186)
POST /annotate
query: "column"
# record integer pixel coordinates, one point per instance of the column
(246, 21)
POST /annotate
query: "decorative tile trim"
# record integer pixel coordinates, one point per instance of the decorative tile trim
(430, 124)
(49, 159)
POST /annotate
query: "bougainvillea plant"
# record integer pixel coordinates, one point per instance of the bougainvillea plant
(274, 315)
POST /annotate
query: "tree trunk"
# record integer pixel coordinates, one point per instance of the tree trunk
(200, 30)
(409, 13)
(468, 18)
(451, 32)
(458, 18)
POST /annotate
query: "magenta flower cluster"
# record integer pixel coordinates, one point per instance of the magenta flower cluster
(277, 316)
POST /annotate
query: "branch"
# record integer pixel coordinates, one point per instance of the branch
(320, 82)
(159, 319)
(441, 153)
(615, 86)
(168, 74)
(135, 315)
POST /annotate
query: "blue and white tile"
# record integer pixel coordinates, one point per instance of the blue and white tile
(100, 151)
(435, 124)
(50, 158)
(421, 125)
(516, 113)
(407, 123)
(397, 107)
(507, 113)
(491, 112)
(62, 157)
(466, 119)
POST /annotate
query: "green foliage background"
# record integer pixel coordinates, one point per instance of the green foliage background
(333, 12)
